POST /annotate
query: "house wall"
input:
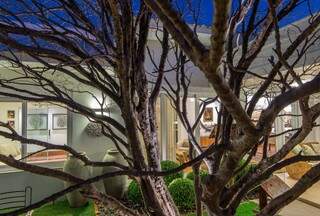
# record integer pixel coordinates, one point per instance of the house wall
(94, 147)
(41, 186)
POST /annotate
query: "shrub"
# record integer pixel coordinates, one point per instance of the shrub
(168, 165)
(202, 173)
(183, 194)
(248, 208)
(134, 194)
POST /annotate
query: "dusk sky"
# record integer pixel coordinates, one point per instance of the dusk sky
(300, 12)
(206, 9)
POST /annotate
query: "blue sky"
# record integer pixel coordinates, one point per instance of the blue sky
(299, 12)
(206, 8)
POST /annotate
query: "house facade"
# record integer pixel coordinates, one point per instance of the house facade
(56, 124)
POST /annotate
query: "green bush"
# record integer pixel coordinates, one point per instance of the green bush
(168, 165)
(202, 173)
(134, 194)
(248, 208)
(183, 194)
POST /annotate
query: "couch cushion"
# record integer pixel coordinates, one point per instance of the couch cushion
(307, 150)
(10, 149)
(297, 149)
(316, 147)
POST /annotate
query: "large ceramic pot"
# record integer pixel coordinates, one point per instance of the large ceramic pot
(76, 168)
(114, 186)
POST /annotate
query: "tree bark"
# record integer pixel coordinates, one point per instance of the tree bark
(157, 198)
(198, 190)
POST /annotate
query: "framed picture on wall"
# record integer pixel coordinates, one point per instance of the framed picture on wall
(59, 121)
(11, 123)
(208, 114)
(11, 114)
(37, 122)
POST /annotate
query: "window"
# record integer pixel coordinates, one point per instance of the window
(41, 121)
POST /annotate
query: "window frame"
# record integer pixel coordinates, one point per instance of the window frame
(55, 164)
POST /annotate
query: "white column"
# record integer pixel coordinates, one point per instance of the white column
(296, 120)
(168, 145)
(196, 113)
(163, 123)
(24, 127)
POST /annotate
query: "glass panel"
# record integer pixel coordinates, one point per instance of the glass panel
(208, 123)
(46, 122)
(182, 146)
(10, 112)
(182, 133)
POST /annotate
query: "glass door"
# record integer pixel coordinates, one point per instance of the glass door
(46, 122)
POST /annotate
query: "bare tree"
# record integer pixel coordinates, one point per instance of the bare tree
(74, 43)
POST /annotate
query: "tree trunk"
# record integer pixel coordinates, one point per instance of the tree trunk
(263, 199)
(212, 189)
(157, 198)
(197, 189)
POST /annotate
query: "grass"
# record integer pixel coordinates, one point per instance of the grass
(245, 209)
(62, 208)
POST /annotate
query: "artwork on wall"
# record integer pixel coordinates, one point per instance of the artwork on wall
(11, 123)
(208, 114)
(11, 114)
(59, 121)
(37, 122)
(94, 129)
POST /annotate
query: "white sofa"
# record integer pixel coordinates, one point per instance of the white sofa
(10, 148)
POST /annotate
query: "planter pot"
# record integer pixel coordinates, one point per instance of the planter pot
(96, 171)
(114, 186)
(76, 168)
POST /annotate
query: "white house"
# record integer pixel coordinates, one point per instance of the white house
(55, 124)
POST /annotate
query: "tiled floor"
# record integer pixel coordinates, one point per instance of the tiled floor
(298, 208)
(311, 196)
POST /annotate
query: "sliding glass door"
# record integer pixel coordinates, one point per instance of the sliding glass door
(46, 122)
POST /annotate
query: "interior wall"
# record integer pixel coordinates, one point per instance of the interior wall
(16, 108)
(94, 147)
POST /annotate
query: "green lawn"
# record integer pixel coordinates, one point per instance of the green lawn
(62, 208)
(245, 209)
